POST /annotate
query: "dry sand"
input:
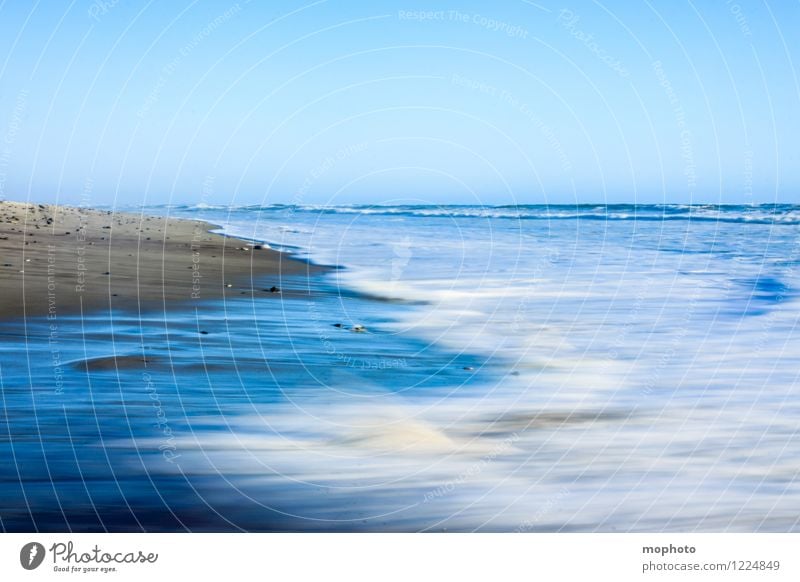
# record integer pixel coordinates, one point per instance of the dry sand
(60, 260)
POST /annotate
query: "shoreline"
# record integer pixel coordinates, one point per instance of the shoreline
(62, 260)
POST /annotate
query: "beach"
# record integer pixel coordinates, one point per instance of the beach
(59, 260)
(463, 368)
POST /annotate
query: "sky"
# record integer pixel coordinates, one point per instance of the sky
(115, 102)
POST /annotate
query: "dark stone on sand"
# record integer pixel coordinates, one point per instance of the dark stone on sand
(338, 325)
(257, 247)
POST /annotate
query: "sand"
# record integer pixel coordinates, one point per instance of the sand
(58, 260)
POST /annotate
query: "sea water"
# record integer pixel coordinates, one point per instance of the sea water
(525, 368)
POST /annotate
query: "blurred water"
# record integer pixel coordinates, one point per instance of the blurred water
(630, 368)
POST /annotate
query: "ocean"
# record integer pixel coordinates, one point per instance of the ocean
(459, 368)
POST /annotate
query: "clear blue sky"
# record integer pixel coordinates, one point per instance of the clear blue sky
(441, 102)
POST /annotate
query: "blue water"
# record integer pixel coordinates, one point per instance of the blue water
(535, 368)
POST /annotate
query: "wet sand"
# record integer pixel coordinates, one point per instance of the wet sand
(60, 260)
